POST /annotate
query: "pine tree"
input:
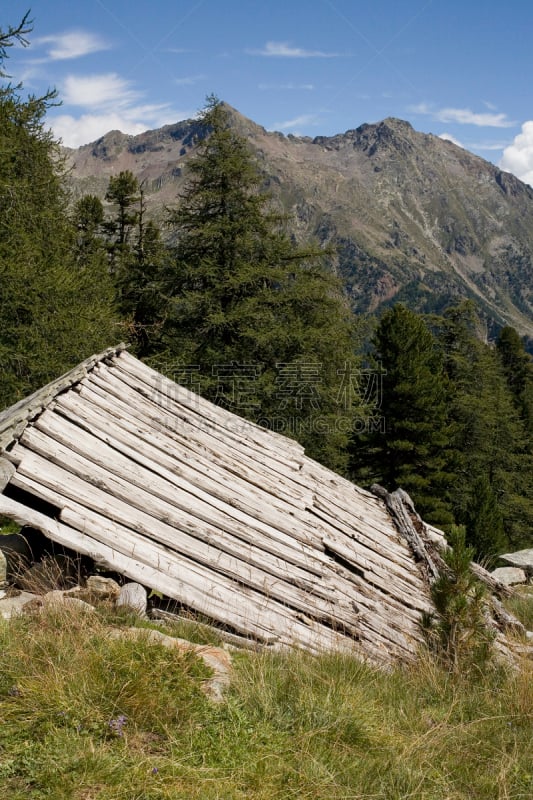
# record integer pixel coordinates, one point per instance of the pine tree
(246, 305)
(53, 312)
(490, 443)
(411, 449)
(518, 368)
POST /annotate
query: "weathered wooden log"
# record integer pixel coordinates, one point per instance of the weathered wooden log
(202, 439)
(398, 509)
(210, 482)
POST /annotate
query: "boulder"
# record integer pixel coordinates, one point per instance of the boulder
(57, 598)
(13, 603)
(510, 576)
(216, 658)
(100, 588)
(134, 597)
(522, 559)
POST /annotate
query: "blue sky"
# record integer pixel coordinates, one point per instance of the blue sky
(460, 69)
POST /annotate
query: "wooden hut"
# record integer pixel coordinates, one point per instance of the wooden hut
(230, 520)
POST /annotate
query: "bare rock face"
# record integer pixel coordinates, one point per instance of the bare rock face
(411, 216)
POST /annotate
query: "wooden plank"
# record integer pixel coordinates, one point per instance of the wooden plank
(7, 470)
(379, 536)
(152, 379)
(231, 432)
(13, 420)
(208, 593)
(131, 506)
(83, 443)
(211, 484)
(371, 627)
(198, 441)
(404, 569)
(142, 490)
(126, 565)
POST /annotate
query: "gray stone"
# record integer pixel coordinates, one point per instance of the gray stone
(100, 588)
(11, 606)
(64, 600)
(133, 596)
(509, 575)
(3, 569)
(522, 558)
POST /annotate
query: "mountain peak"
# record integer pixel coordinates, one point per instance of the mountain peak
(412, 217)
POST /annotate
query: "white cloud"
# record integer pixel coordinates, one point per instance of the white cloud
(518, 156)
(75, 131)
(464, 116)
(72, 44)
(109, 103)
(97, 91)
(293, 124)
(449, 138)
(285, 50)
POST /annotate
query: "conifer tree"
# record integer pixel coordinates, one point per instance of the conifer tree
(246, 304)
(53, 311)
(411, 450)
(518, 369)
(490, 444)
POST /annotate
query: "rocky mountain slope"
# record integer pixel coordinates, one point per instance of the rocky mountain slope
(413, 217)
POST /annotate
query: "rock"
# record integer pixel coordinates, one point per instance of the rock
(510, 576)
(13, 604)
(522, 558)
(61, 599)
(3, 569)
(133, 596)
(217, 659)
(100, 588)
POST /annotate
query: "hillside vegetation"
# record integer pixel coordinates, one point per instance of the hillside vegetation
(89, 718)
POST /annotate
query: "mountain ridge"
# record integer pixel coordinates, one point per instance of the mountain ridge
(413, 217)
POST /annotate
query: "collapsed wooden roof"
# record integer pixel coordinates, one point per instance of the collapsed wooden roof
(230, 520)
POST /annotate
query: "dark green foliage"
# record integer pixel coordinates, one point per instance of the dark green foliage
(53, 311)
(88, 218)
(484, 521)
(122, 193)
(246, 305)
(518, 369)
(411, 449)
(491, 447)
(141, 300)
(459, 633)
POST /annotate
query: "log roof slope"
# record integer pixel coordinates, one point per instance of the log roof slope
(232, 521)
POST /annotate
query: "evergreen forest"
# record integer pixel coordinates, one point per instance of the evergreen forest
(224, 299)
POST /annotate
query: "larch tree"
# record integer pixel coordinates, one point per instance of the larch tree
(262, 320)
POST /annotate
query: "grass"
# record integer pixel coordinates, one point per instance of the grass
(521, 605)
(85, 717)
